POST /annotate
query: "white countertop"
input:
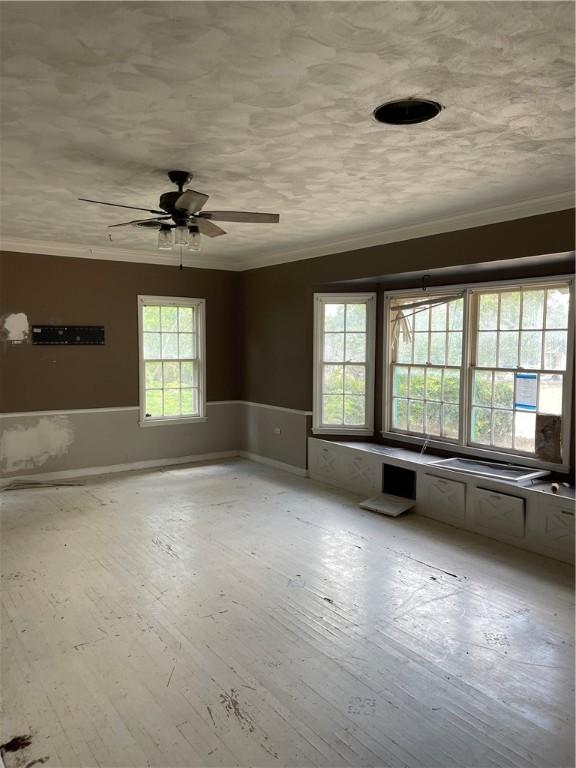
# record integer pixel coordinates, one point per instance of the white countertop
(403, 456)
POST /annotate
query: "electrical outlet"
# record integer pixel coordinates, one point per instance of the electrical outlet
(277, 431)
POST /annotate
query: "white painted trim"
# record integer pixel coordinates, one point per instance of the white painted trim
(276, 408)
(111, 468)
(153, 464)
(170, 422)
(370, 299)
(199, 305)
(273, 463)
(394, 234)
(73, 411)
(202, 260)
(70, 412)
(342, 431)
(250, 260)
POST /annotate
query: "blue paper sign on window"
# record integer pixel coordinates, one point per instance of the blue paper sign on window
(526, 398)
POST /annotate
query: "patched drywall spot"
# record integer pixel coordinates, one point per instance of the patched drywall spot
(26, 447)
(16, 327)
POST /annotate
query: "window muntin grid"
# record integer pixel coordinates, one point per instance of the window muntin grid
(171, 361)
(517, 329)
(343, 362)
(540, 320)
(426, 366)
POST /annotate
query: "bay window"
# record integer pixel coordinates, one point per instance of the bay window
(487, 368)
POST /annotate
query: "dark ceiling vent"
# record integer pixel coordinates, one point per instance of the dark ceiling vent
(407, 111)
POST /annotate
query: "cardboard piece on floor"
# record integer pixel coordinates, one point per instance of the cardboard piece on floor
(387, 504)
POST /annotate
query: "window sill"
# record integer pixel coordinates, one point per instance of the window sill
(174, 421)
(342, 431)
(479, 453)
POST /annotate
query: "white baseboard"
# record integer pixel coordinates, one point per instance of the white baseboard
(67, 474)
(273, 463)
(135, 465)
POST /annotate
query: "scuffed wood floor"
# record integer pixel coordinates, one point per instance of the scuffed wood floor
(235, 615)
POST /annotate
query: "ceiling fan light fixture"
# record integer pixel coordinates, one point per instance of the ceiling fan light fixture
(407, 111)
(165, 238)
(193, 238)
(181, 235)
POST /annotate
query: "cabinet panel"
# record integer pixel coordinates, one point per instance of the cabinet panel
(497, 514)
(345, 467)
(323, 462)
(442, 499)
(362, 472)
(559, 527)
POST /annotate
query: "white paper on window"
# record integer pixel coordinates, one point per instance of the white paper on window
(526, 391)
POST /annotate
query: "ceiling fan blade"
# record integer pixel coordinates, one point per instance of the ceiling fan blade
(137, 222)
(117, 205)
(246, 216)
(154, 223)
(207, 228)
(191, 201)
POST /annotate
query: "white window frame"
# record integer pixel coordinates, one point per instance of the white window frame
(172, 301)
(462, 446)
(340, 298)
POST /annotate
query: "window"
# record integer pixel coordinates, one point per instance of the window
(344, 363)
(487, 368)
(172, 370)
(519, 354)
(427, 337)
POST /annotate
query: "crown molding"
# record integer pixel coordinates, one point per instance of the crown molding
(243, 261)
(438, 226)
(78, 251)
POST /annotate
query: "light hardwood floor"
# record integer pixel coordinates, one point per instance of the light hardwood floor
(235, 615)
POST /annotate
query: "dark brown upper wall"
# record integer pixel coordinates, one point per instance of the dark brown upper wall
(277, 301)
(63, 291)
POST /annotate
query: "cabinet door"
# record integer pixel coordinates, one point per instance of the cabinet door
(323, 462)
(498, 514)
(442, 499)
(559, 528)
(361, 472)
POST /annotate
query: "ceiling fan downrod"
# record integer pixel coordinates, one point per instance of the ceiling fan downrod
(180, 178)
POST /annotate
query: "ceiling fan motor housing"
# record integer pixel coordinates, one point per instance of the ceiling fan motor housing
(180, 178)
(168, 204)
(168, 199)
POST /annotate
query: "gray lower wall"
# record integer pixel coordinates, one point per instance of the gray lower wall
(275, 433)
(74, 440)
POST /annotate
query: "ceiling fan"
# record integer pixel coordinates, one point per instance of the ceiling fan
(182, 212)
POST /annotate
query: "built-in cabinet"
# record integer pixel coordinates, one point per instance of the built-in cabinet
(441, 499)
(550, 527)
(524, 516)
(358, 471)
(497, 512)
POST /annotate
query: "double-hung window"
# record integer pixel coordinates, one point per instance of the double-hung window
(426, 337)
(519, 351)
(172, 360)
(487, 368)
(344, 363)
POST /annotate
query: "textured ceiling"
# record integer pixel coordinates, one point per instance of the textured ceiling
(269, 104)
